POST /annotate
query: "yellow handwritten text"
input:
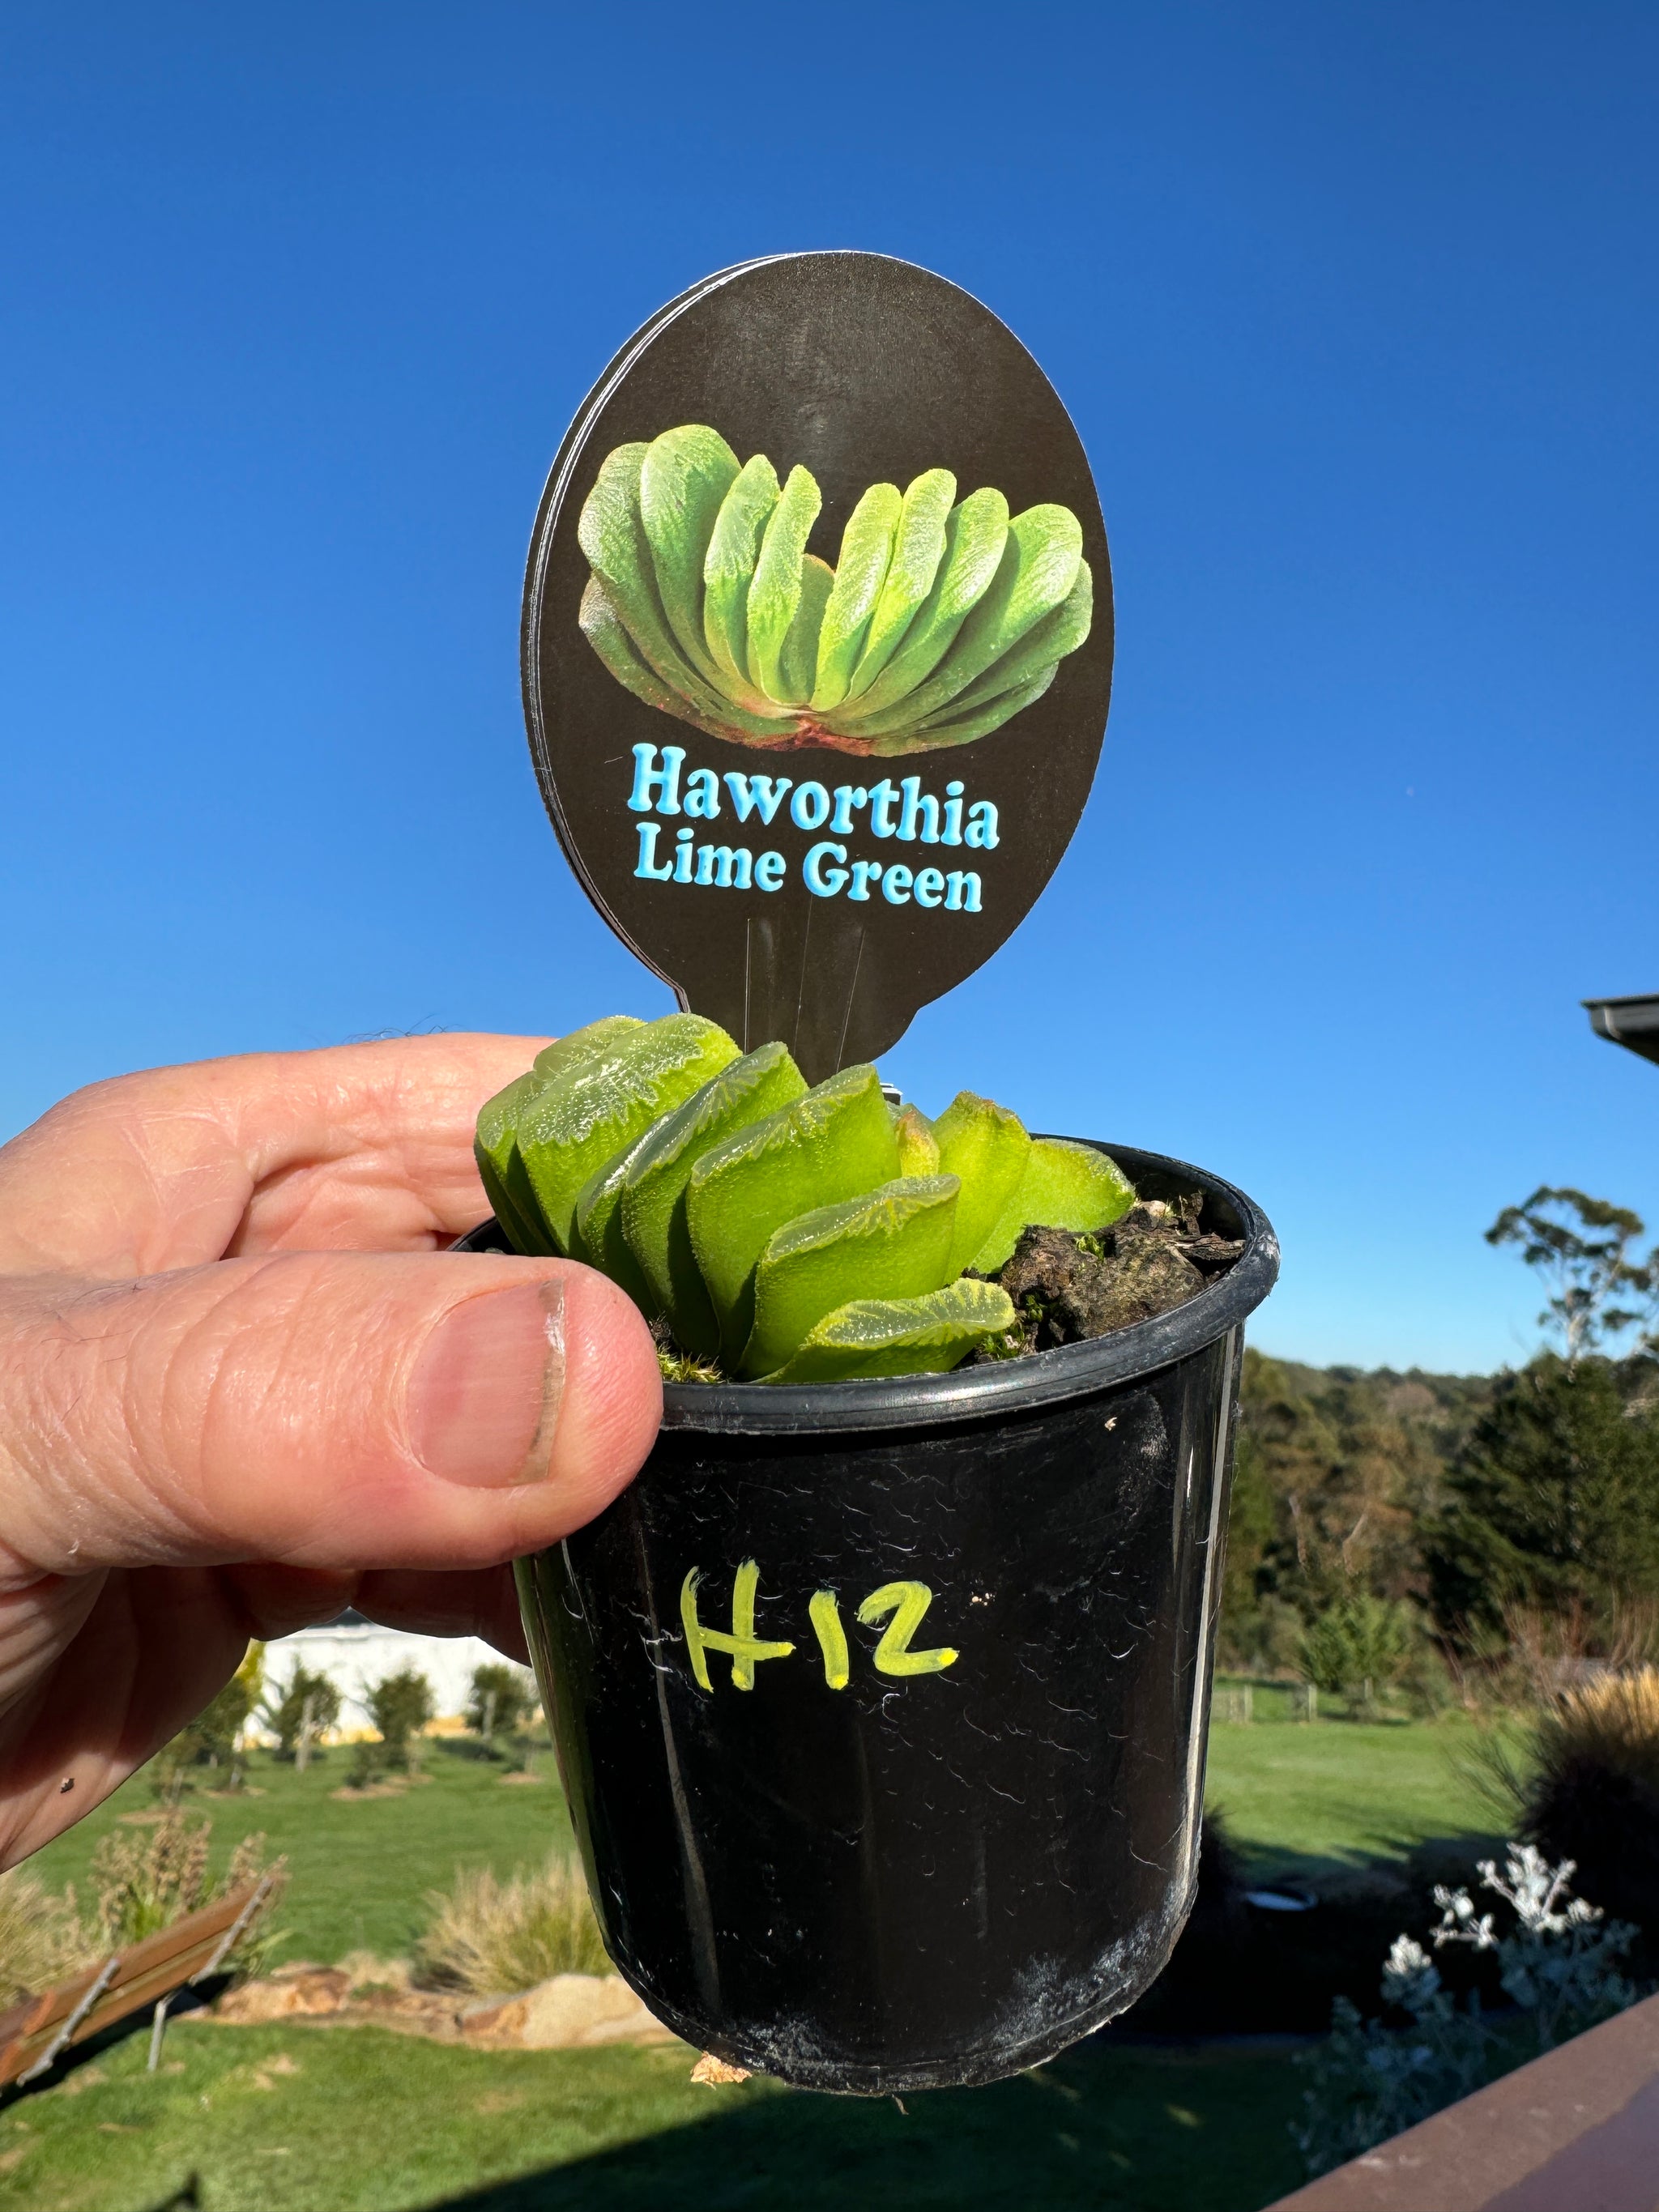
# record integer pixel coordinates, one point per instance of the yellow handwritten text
(744, 1646)
(825, 1614)
(907, 1602)
(901, 1605)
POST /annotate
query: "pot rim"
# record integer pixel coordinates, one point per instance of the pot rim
(1014, 1386)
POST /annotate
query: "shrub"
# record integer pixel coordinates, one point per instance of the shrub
(489, 1937)
(309, 1704)
(1358, 1644)
(400, 1705)
(1592, 1793)
(1559, 1963)
(146, 1878)
(501, 1698)
(43, 1938)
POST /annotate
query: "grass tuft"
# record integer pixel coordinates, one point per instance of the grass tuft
(43, 1938)
(1612, 1724)
(489, 1937)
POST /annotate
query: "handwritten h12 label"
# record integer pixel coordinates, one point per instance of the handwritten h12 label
(901, 1605)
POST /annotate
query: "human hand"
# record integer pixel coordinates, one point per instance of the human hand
(241, 1390)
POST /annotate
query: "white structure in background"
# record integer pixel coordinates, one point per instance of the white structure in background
(355, 1654)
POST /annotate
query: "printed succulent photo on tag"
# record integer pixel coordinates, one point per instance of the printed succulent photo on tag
(940, 620)
(818, 647)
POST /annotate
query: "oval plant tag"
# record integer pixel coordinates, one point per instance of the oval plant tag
(817, 645)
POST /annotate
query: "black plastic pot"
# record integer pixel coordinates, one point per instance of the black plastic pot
(852, 1860)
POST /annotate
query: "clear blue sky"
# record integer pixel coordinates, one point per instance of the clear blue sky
(1355, 308)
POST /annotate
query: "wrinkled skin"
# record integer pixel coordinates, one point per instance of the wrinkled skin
(217, 1285)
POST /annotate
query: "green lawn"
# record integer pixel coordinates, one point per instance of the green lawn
(332, 2120)
(360, 1869)
(1297, 1798)
(355, 2120)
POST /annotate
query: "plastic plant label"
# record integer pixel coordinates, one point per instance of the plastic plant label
(817, 645)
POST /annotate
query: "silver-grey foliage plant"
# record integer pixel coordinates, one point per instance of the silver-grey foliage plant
(1559, 1961)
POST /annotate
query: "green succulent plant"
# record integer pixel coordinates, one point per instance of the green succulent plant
(939, 623)
(793, 1234)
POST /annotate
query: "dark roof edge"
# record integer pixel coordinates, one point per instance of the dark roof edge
(1632, 1022)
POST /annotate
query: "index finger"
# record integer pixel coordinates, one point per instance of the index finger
(352, 1147)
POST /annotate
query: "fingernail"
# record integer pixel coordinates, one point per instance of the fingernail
(484, 1400)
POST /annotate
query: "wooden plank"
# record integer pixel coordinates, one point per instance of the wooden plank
(15, 2024)
(1577, 2127)
(18, 2019)
(149, 1969)
(212, 1920)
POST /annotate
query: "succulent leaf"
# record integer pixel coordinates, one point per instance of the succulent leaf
(832, 1144)
(683, 479)
(932, 736)
(495, 1142)
(775, 593)
(893, 1243)
(606, 631)
(611, 533)
(653, 1210)
(900, 1336)
(496, 1148)
(579, 1122)
(918, 1146)
(801, 649)
(1037, 655)
(597, 1229)
(866, 547)
(729, 569)
(1065, 1185)
(580, 1048)
(975, 537)
(987, 1146)
(918, 549)
(1038, 569)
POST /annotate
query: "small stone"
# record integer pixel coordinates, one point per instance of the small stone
(292, 1993)
(568, 2011)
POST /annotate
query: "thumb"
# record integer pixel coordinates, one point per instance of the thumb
(327, 1410)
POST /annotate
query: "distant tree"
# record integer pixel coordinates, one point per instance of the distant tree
(500, 1698)
(1554, 1502)
(309, 1704)
(400, 1705)
(1581, 1247)
(1251, 1523)
(1356, 1646)
(1336, 1472)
